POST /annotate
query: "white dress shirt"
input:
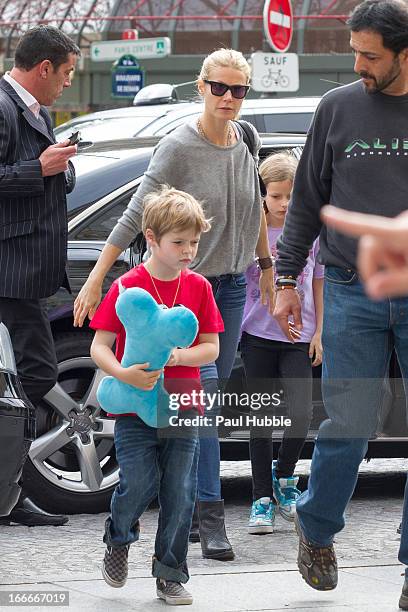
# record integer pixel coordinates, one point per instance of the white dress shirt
(25, 95)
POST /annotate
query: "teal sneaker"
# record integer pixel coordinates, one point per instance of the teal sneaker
(286, 493)
(262, 516)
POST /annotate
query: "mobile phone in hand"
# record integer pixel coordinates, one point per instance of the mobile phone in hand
(74, 138)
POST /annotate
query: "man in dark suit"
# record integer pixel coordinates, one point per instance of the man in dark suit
(35, 175)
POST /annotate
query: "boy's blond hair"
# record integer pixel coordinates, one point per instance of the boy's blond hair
(225, 58)
(171, 210)
(278, 167)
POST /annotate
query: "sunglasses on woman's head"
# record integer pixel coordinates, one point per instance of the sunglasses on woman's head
(220, 89)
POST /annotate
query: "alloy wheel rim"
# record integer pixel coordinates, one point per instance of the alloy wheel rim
(80, 428)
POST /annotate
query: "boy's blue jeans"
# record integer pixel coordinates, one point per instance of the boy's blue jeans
(358, 338)
(154, 462)
(230, 293)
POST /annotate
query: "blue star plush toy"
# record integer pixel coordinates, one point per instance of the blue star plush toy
(152, 332)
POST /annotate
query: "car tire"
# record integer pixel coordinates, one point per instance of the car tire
(55, 492)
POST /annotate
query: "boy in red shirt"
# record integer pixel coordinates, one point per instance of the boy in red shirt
(158, 462)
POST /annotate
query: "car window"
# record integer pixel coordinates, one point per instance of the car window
(101, 223)
(269, 150)
(288, 122)
(101, 173)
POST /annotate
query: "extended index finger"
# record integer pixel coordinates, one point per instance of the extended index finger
(357, 224)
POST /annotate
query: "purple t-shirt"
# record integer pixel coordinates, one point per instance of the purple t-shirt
(257, 321)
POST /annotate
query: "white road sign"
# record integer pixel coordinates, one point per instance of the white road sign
(275, 71)
(144, 48)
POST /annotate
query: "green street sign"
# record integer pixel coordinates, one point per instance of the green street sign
(144, 48)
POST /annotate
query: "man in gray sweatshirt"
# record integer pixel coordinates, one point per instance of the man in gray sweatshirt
(356, 158)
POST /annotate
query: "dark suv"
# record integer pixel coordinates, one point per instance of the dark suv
(72, 463)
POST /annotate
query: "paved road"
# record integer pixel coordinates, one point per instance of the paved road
(74, 551)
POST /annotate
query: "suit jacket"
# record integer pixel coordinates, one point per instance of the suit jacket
(33, 210)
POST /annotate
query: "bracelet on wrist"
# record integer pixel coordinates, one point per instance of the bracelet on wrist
(264, 262)
(282, 287)
(286, 280)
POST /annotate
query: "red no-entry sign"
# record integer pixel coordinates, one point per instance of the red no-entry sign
(130, 35)
(278, 24)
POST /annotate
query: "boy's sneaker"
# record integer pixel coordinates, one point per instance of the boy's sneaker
(317, 564)
(286, 493)
(115, 565)
(173, 593)
(403, 601)
(262, 516)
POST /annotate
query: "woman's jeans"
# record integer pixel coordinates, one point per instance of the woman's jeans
(230, 293)
(358, 338)
(155, 462)
(269, 366)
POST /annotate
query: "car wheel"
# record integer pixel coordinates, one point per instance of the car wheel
(72, 466)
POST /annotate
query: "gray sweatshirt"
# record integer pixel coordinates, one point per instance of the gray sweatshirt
(223, 179)
(356, 158)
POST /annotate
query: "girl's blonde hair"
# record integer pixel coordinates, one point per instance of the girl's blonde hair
(225, 58)
(278, 167)
(171, 210)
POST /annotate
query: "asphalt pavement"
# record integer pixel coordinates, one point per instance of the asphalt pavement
(61, 563)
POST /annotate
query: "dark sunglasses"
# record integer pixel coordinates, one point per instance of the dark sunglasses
(220, 89)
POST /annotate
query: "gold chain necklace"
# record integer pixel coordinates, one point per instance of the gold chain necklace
(202, 133)
(158, 294)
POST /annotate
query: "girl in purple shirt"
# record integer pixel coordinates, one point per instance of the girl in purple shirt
(273, 363)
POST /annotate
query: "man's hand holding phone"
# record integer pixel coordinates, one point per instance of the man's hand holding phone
(74, 138)
(55, 158)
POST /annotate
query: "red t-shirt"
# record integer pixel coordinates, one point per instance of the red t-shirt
(194, 292)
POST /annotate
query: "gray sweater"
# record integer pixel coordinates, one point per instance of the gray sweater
(223, 179)
(356, 158)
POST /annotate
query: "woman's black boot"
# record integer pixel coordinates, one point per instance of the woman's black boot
(213, 537)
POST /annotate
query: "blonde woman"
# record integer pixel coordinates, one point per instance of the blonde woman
(208, 159)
